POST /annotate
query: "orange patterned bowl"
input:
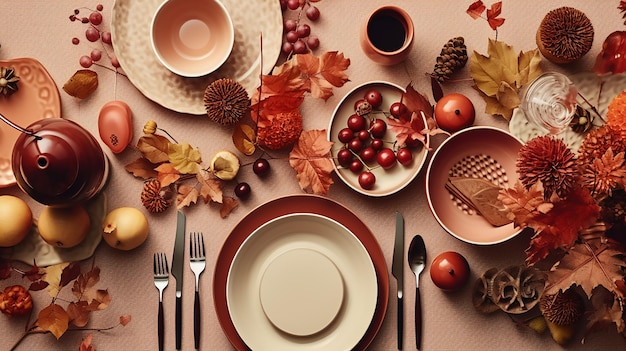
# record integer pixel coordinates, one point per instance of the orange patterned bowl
(482, 152)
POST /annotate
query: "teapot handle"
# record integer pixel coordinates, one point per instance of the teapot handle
(15, 126)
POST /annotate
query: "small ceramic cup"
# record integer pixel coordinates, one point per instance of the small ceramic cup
(192, 38)
(387, 35)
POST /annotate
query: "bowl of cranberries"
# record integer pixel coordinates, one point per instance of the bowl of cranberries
(377, 148)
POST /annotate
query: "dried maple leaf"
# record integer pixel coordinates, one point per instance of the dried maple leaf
(228, 205)
(310, 158)
(154, 148)
(186, 196)
(416, 101)
(86, 281)
(500, 76)
(559, 227)
(185, 158)
(53, 278)
(606, 311)
(589, 264)
(404, 129)
(142, 168)
(243, 138)
(85, 345)
(210, 187)
(53, 319)
(493, 13)
(167, 174)
(81, 84)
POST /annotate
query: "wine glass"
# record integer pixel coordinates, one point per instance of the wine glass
(549, 102)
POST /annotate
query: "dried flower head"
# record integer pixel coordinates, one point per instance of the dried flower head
(282, 131)
(604, 174)
(616, 112)
(8, 81)
(548, 160)
(565, 35)
(154, 198)
(226, 101)
(15, 300)
(598, 141)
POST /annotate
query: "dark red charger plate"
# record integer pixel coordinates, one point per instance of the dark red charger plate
(298, 204)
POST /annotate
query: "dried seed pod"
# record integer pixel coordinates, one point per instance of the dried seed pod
(562, 308)
(8, 81)
(481, 296)
(226, 101)
(15, 300)
(517, 289)
(153, 198)
(565, 35)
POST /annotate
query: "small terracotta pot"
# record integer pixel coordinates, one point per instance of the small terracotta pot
(387, 35)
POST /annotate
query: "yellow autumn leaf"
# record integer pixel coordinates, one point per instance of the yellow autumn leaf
(185, 158)
(500, 76)
(53, 278)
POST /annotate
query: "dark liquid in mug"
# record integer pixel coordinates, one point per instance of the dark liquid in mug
(386, 31)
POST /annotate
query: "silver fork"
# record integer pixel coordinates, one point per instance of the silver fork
(161, 278)
(197, 262)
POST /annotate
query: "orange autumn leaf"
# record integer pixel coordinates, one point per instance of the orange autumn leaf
(167, 174)
(416, 101)
(210, 187)
(154, 148)
(228, 205)
(142, 168)
(186, 196)
(78, 313)
(53, 319)
(310, 158)
(332, 67)
(85, 345)
(243, 138)
(493, 13)
(125, 319)
(405, 129)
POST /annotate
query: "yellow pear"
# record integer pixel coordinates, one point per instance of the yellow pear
(16, 218)
(64, 226)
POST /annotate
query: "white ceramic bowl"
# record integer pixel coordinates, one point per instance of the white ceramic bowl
(478, 151)
(192, 38)
(388, 181)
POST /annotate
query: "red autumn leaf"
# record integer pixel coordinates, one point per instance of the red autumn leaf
(125, 319)
(53, 319)
(493, 13)
(562, 223)
(310, 158)
(476, 9)
(69, 273)
(607, 311)
(35, 273)
(273, 105)
(38, 285)
(5, 269)
(416, 101)
(405, 129)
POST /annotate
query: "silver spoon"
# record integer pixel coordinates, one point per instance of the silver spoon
(417, 262)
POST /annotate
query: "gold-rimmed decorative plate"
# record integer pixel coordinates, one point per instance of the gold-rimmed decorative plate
(130, 29)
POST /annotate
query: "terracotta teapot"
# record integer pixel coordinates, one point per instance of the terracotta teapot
(57, 162)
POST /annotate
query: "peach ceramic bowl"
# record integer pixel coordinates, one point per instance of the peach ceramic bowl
(479, 152)
(192, 38)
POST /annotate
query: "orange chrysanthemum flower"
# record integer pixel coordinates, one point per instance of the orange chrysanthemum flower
(280, 131)
(616, 112)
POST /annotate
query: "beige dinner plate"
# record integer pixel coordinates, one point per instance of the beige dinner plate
(130, 29)
(268, 251)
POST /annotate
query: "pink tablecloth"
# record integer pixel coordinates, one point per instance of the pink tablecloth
(41, 29)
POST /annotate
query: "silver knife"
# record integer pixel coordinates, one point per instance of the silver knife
(397, 269)
(177, 272)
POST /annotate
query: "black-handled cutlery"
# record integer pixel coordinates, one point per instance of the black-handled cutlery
(397, 269)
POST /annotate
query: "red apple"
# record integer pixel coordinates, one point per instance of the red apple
(454, 112)
(450, 271)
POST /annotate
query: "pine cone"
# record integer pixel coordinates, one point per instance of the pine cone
(453, 56)
(226, 101)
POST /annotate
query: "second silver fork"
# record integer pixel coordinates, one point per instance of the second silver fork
(197, 262)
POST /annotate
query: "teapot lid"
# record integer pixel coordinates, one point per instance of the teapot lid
(48, 165)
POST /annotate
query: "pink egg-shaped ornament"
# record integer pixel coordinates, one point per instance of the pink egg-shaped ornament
(115, 124)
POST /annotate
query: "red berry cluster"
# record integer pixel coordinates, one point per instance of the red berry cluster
(93, 34)
(297, 35)
(363, 138)
(260, 167)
